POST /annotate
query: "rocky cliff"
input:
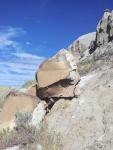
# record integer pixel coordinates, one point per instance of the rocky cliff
(75, 88)
(85, 122)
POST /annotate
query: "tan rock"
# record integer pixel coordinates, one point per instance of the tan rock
(58, 76)
(16, 102)
(85, 123)
(32, 90)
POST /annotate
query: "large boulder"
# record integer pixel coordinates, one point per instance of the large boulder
(58, 76)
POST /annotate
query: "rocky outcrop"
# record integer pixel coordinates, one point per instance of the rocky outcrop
(85, 123)
(80, 47)
(104, 31)
(58, 76)
(100, 52)
(89, 52)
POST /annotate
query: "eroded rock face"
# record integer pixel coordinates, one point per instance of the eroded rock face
(103, 27)
(85, 123)
(100, 51)
(58, 76)
(104, 31)
(81, 45)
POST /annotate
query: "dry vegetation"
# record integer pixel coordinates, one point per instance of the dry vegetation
(27, 136)
(21, 135)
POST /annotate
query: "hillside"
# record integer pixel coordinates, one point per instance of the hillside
(74, 94)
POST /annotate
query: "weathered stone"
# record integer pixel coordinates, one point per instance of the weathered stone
(82, 44)
(58, 76)
(102, 36)
(32, 90)
(38, 114)
(85, 123)
(104, 31)
(15, 102)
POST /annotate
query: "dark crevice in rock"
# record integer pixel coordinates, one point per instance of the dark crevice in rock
(51, 101)
(47, 92)
(92, 47)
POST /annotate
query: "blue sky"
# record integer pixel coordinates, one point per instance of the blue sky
(33, 30)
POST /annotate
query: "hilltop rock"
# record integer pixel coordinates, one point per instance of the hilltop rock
(80, 47)
(86, 123)
(104, 31)
(58, 76)
(100, 51)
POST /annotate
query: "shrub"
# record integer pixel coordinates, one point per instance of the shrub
(23, 136)
(23, 119)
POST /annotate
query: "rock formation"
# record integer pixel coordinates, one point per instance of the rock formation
(85, 122)
(80, 47)
(100, 52)
(104, 31)
(58, 76)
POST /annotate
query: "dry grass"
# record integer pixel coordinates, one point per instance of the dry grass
(2, 97)
(27, 137)
(96, 60)
(22, 136)
(49, 141)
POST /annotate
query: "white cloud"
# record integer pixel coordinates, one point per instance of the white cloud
(7, 34)
(17, 72)
(16, 66)
(28, 43)
(27, 56)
